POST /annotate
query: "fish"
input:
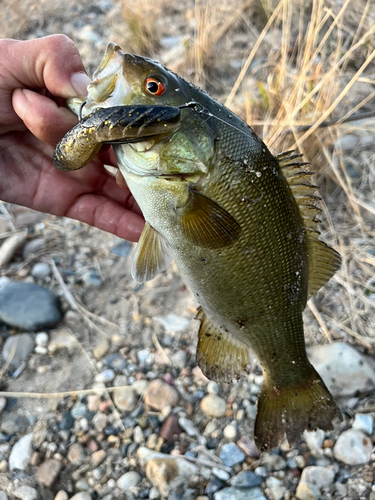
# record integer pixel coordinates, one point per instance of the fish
(240, 223)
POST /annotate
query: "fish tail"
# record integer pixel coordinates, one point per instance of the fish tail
(289, 411)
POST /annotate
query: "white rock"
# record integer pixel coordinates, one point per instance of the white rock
(105, 376)
(318, 476)
(276, 489)
(344, 370)
(61, 495)
(25, 492)
(21, 453)
(40, 350)
(314, 439)
(212, 387)
(128, 480)
(3, 495)
(363, 422)
(82, 495)
(220, 474)
(353, 448)
(230, 432)
(42, 339)
(188, 426)
(213, 405)
(41, 271)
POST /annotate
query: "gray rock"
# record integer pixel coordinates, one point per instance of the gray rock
(78, 410)
(347, 142)
(314, 439)
(125, 399)
(159, 394)
(341, 489)
(61, 339)
(91, 279)
(221, 474)
(173, 323)
(25, 492)
(273, 462)
(33, 246)
(99, 421)
(3, 495)
(320, 477)
(61, 495)
(48, 472)
(82, 495)
(246, 479)
(105, 376)
(306, 491)
(239, 494)
(230, 432)
(122, 249)
(128, 480)
(28, 306)
(153, 495)
(76, 454)
(353, 448)
(344, 370)
(21, 453)
(17, 348)
(276, 489)
(212, 387)
(230, 454)
(41, 271)
(214, 405)
(188, 426)
(363, 422)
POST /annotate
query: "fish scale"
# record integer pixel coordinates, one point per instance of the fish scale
(241, 225)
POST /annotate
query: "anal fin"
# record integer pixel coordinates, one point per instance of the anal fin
(220, 356)
(151, 255)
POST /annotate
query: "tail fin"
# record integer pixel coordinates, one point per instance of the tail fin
(291, 410)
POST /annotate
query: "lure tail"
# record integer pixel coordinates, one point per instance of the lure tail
(292, 409)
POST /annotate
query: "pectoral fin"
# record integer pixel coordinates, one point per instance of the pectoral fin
(151, 256)
(207, 224)
(220, 355)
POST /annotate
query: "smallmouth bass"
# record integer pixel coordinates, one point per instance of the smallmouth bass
(239, 222)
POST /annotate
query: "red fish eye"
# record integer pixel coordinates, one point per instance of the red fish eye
(154, 86)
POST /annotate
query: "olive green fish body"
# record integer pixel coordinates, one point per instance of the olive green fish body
(241, 226)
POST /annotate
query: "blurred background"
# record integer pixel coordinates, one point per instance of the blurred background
(286, 68)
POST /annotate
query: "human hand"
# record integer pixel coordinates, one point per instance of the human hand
(36, 76)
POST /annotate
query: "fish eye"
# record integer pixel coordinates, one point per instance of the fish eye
(155, 86)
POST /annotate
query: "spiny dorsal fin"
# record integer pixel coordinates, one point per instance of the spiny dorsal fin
(323, 260)
(151, 255)
(220, 356)
(207, 224)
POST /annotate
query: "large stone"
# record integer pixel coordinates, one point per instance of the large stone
(213, 405)
(28, 306)
(21, 453)
(353, 448)
(239, 494)
(344, 370)
(169, 473)
(25, 492)
(159, 394)
(128, 480)
(230, 454)
(17, 348)
(306, 491)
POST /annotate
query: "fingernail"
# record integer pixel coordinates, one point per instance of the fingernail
(79, 82)
(20, 102)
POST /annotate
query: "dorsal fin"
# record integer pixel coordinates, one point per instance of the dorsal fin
(324, 261)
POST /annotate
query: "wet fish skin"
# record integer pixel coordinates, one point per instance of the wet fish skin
(241, 226)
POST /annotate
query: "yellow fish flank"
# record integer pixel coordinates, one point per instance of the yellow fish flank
(239, 222)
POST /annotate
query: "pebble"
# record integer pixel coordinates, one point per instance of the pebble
(21, 453)
(41, 271)
(105, 376)
(221, 474)
(153, 494)
(93, 402)
(273, 462)
(246, 479)
(213, 485)
(306, 491)
(230, 432)
(48, 472)
(276, 489)
(97, 458)
(125, 399)
(248, 446)
(33, 246)
(363, 422)
(76, 454)
(61, 495)
(188, 426)
(128, 480)
(159, 394)
(179, 359)
(344, 370)
(173, 323)
(61, 339)
(14, 423)
(91, 279)
(41, 339)
(100, 421)
(214, 405)
(101, 349)
(25, 492)
(314, 439)
(67, 421)
(28, 306)
(212, 387)
(17, 348)
(320, 477)
(82, 495)
(232, 493)
(168, 473)
(78, 410)
(353, 447)
(3, 495)
(230, 454)
(170, 429)
(138, 435)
